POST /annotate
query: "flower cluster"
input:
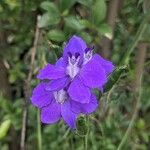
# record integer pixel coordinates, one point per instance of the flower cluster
(66, 88)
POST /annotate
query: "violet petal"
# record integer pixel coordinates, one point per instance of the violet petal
(51, 113)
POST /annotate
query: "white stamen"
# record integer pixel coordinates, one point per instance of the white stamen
(87, 56)
(72, 68)
(60, 96)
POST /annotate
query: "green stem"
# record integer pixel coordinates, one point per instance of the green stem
(85, 142)
(137, 105)
(39, 131)
(138, 36)
(86, 136)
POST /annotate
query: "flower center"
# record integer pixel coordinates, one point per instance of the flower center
(87, 55)
(73, 65)
(60, 96)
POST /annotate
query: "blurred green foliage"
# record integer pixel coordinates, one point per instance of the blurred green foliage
(59, 20)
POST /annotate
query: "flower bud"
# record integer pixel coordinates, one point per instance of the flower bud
(82, 126)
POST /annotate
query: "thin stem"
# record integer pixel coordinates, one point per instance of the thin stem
(136, 89)
(86, 136)
(66, 134)
(131, 123)
(138, 36)
(71, 142)
(85, 142)
(39, 135)
(23, 130)
(27, 88)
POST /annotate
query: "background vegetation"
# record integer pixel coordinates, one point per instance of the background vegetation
(32, 33)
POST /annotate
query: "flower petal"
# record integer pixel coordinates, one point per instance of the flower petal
(41, 97)
(60, 62)
(68, 116)
(51, 113)
(85, 108)
(93, 74)
(51, 72)
(58, 84)
(75, 45)
(107, 65)
(78, 91)
(101, 89)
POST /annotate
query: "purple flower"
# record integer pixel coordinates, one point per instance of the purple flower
(53, 105)
(52, 98)
(66, 89)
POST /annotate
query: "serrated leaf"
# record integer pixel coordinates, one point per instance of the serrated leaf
(73, 23)
(98, 11)
(56, 35)
(114, 77)
(4, 127)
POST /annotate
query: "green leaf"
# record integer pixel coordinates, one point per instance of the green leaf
(87, 3)
(87, 24)
(66, 4)
(50, 7)
(145, 137)
(114, 77)
(4, 127)
(56, 35)
(146, 36)
(73, 23)
(48, 19)
(51, 17)
(87, 37)
(12, 3)
(105, 30)
(52, 56)
(98, 11)
(140, 124)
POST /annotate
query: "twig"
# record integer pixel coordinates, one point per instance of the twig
(114, 7)
(27, 88)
